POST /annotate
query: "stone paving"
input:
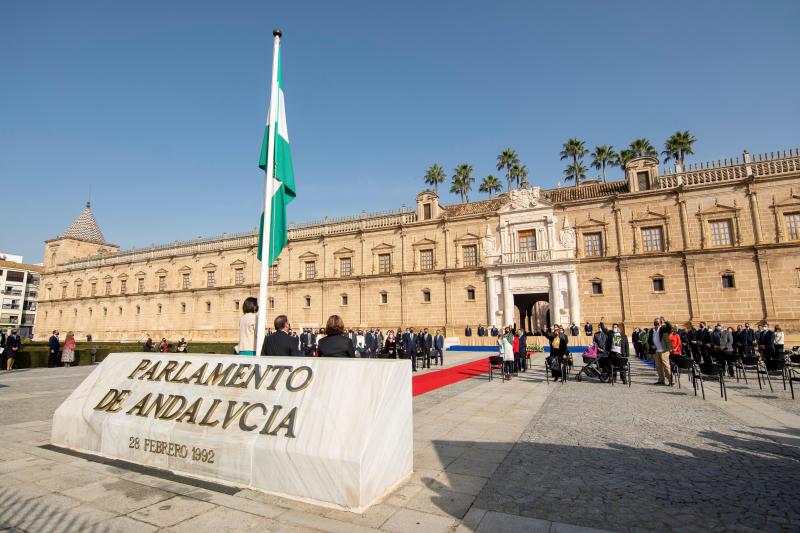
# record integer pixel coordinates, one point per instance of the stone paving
(524, 455)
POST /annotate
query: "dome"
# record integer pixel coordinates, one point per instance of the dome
(85, 227)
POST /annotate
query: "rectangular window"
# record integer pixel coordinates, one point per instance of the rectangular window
(236, 305)
(384, 298)
(426, 296)
(210, 278)
(527, 240)
(345, 267)
(643, 178)
(426, 211)
(272, 303)
(78, 288)
(592, 244)
(108, 287)
(344, 299)
(658, 284)
(470, 254)
(123, 286)
(385, 263)
(140, 286)
(597, 287)
(162, 283)
(93, 289)
(238, 276)
(64, 291)
(308, 301)
(426, 259)
(728, 282)
(186, 281)
(793, 226)
(311, 269)
(273, 274)
(720, 232)
(471, 294)
(652, 239)
(15, 276)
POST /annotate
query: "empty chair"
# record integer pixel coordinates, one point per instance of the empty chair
(750, 362)
(496, 363)
(683, 364)
(776, 366)
(711, 370)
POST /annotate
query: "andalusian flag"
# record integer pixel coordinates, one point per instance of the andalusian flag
(283, 176)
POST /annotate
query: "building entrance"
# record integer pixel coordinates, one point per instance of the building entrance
(532, 311)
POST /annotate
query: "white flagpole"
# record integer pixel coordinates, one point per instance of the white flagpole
(272, 118)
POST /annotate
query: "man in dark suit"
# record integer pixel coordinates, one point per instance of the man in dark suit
(438, 348)
(304, 341)
(426, 346)
(747, 337)
(767, 342)
(468, 331)
(587, 329)
(52, 359)
(523, 348)
(481, 331)
(495, 331)
(410, 347)
(280, 342)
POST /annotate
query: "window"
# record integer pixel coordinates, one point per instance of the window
(344, 299)
(643, 179)
(311, 269)
(159, 309)
(426, 211)
(652, 240)
(470, 294)
(105, 311)
(597, 287)
(236, 305)
(210, 278)
(470, 254)
(426, 296)
(108, 287)
(162, 283)
(728, 282)
(138, 309)
(183, 307)
(15, 276)
(385, 263)
(119, 311)
(593, 244)
(123, 286)
(527, 241)
(93, 289)
(658, 284)
(272, 303)
(74, 312)
(208, 307)
(186, 281)
(345, 269)
(90, 312)
(78, 288)
(426, 259)
(140, 285)
(238, 276)
(273, 274)
(308, 301)
(720, 232)
(64, 291)
(384, 298)
(793, 226)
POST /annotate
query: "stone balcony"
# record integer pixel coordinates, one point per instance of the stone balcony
(534, 256)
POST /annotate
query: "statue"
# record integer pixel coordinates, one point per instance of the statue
(524, 198)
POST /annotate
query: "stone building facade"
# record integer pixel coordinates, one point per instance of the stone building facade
(714, 242)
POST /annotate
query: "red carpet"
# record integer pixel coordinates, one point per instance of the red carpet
(441, 378)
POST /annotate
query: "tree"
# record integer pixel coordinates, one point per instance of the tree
(623, 157)
(602, 157)
(643, 148)
(678, 146)
(490, 185)
(507, 159)
(575, 149)
(434, 176)
(519, 174)
(575, 171)
(462, 181)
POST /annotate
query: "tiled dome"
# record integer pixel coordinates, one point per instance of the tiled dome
(85, 227)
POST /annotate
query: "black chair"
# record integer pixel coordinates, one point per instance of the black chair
(496, 363)
(710, 369)
(681, 364)
(731, 360)
(776, 366)
(619, 364)
(548, 368)
(750, 362)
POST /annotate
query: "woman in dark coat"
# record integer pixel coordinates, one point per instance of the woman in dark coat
(335, 343)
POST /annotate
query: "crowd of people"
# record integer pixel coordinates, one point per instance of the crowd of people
(165, 346)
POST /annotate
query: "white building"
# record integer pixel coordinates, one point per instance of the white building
(19, 294)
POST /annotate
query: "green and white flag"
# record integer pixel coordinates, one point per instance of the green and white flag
(283, 177)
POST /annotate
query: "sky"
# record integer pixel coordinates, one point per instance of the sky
(155, 110)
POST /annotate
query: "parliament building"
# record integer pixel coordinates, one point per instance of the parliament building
(713, 242)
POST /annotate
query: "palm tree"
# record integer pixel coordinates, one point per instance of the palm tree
(434, 176)
(519, 173)
(507, 159)
(623, 157)
(490, 185)
(678, 146)
(462, 181)
(575, 171)
(602, 157)
(575, 149)
(643, 148)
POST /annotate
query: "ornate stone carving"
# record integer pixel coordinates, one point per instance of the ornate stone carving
(567, 238)
(524, 198)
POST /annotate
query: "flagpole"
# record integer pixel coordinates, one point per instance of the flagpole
(269, 173)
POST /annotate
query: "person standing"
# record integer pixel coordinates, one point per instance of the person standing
(508, 353)
(494, 331)
(438, 348)
(148, 345)
(573, 330)
(68, 355)
(424, 344)
(747, 339)
(468, 331)
(247, 328)
(390, 346)
(522, 350)
(660, 333)
(587, 329)
(768, 342)
(55, 346)
(281, 343)
(779, 339)
(410, 347)
(335, 343)
(13, 346)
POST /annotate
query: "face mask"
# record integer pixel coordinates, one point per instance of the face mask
(616, 329)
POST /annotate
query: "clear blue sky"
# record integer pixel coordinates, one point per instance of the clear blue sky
(159, 107)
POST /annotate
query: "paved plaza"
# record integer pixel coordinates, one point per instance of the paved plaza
(524, 455)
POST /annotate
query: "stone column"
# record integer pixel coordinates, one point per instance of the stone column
(508, 303)
(684, 224)
(754, 214)
(555, 299)
(618, 229)
(574, 298)
(491, 299)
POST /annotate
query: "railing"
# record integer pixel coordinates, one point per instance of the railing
(9, 318)
(13, 292)
(352, 224)
(28, 320)
(534, 256)
(771, 164)
(10, 306)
